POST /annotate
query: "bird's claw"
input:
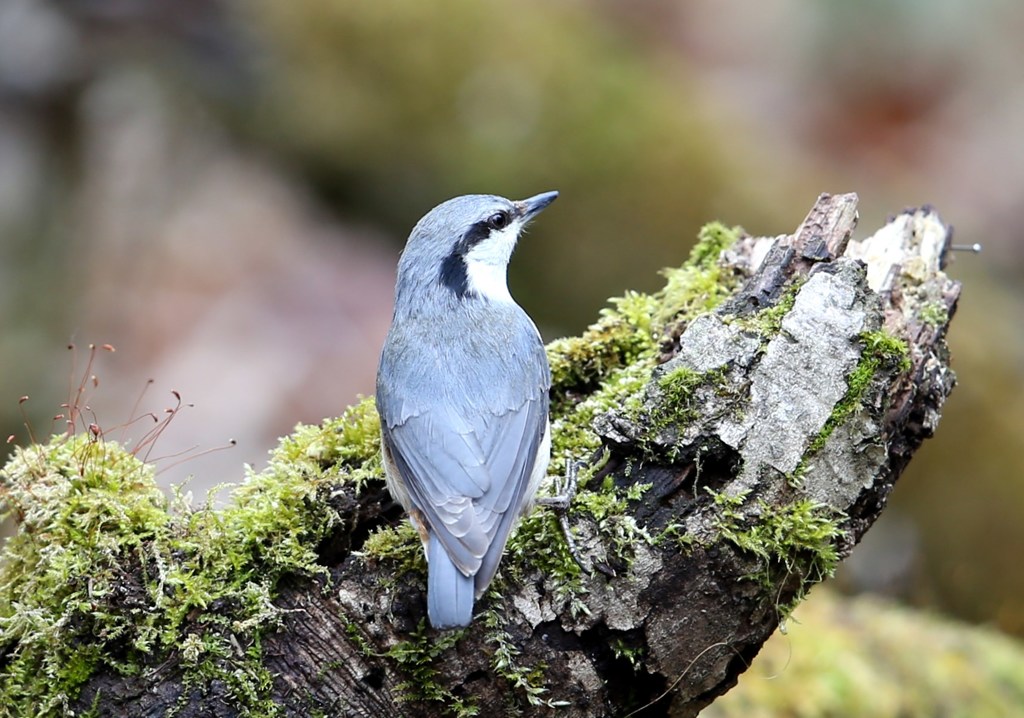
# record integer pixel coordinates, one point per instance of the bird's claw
(565, 488)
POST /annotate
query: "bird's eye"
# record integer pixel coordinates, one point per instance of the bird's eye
(498, 220)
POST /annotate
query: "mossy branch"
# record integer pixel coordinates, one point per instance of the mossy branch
(741, 429)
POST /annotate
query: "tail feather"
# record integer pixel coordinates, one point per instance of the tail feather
(449, 592)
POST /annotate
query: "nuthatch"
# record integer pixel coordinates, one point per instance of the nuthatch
(462, 392)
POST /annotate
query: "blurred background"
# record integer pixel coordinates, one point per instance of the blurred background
(220, 190)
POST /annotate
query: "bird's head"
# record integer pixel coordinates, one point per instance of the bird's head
(463, 246)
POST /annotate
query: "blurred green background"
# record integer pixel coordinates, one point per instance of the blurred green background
(220, 190)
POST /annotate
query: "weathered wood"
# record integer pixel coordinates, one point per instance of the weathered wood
(676, 625)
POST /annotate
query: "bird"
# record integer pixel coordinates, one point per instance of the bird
(462, 394)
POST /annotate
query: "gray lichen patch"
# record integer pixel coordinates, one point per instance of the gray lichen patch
(619, 605)
(802, 374)
(849, 462)
(583, 669)
(709, 343)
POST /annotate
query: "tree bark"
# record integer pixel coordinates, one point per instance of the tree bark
(784, 447)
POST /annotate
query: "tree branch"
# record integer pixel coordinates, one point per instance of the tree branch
(743, 428)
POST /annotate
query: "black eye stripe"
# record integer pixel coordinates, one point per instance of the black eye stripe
(481, 230)
(474, 236)
(453, 268)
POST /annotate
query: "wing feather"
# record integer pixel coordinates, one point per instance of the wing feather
(464, 474)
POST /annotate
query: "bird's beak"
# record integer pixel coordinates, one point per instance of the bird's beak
(532, 206)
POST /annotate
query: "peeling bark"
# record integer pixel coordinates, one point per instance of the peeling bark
(677, 625)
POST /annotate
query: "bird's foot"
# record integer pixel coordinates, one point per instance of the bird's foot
(565, 491)
(565, 487)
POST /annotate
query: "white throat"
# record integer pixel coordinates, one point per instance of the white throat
(487, 280)
(487, 264)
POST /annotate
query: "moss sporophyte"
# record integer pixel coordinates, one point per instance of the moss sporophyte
(106, 573)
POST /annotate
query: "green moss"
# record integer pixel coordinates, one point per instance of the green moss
(881, 346)
(692, 290)
(609, 368)
(527, 681)
(713, 239)
(591, 373)
(629, 329)
(678, 393)
(398, 545)
(678, 385)
(623, 334)
(670, 404)
(632, 654)
(934, 314)
(881, 349)
(768, 322)
(613, 360)
(351, 443)
(104, 573)
(800, 537)
(85, 508)
(677, 534)
(417, 657)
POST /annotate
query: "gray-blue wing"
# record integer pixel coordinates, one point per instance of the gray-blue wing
(468, 475)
